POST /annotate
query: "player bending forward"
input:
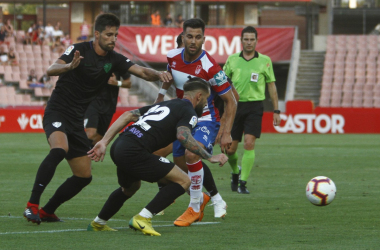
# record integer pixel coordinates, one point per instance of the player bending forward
(155, 127)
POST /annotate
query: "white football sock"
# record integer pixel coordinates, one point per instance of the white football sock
(216, 198)
(100, 221)
(196, 185)
(146, 213)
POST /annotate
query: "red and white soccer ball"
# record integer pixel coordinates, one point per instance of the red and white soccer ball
(320, 191)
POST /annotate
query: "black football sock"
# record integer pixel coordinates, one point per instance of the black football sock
(208, 180)
(71, 187)
(113, 204)
(160, 185)
(45, 173)
(165, 197)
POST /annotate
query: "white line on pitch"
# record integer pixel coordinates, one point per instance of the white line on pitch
(79, 230)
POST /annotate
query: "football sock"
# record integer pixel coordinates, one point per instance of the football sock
(71, 187)
(216, 198)
(165, 197)
(100, 221)
(232, 160)
(113, 204)
(45, 173)
(146, 213)
(196, 176)
(247, 164)
(208, 180)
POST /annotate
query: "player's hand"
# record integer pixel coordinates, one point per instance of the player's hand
(165, 76)
(98, 152)
(76, 60)
(220, 158)
(112, 80)
(225, 142)
(276, 119)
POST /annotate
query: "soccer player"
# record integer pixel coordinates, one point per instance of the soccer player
(250, 72)
(84, 70)
(155, 127)
(185, 63)
(99, 113)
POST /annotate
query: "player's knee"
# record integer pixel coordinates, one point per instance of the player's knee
(231, 151)
(132, 189)
(83, 181)
(249, 145)
(191, 157)
(185, 182)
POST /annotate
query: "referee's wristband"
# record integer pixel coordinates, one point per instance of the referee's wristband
(162, 91)
(119, 83)
(276, 111)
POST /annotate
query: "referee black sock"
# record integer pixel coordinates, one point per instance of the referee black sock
(113, 204)
(165, 197)
(46, 172)
(71, 187)
(208, 180)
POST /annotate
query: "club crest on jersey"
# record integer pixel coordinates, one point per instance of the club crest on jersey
(164, 160)
(57, 124)
(174, 64)
(193, 121)
(220, 78)
(107, 67)
(68, 50)
(198, 69)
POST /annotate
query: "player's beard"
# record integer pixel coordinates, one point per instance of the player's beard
(105, 48)
(199, 110)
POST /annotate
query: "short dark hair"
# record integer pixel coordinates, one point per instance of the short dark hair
(194, 23)
(248, 29)
(106, 19)
(179, 40)
(196, 83)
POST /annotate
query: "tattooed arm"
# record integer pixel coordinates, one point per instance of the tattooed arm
(99, 150)
(188, 141)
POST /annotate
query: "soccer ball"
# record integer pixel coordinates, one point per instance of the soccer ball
(320, 191)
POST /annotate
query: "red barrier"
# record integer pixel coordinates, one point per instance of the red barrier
(152, 44)
(300, 117)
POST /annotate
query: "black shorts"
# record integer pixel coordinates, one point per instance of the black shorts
(134, 163)
(77, 139)
(248, 119)
(93, 119)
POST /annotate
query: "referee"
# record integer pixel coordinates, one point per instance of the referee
(250, 72)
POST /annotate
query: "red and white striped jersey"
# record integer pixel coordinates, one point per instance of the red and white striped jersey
(203, 67)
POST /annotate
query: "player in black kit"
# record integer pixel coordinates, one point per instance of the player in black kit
(99, 113)
(84, 70)
(156, 126)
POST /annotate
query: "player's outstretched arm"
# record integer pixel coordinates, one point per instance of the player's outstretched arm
(161, 94)
(150, 74)
(188, 141)
(60, 66)
(98, 152)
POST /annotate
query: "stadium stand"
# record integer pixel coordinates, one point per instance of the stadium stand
(351, 73)
(14, 90)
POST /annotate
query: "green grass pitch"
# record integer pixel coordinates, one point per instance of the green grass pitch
(276, 215)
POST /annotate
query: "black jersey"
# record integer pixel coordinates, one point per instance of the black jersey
(76, 88)
(106, 101)
(157, 126)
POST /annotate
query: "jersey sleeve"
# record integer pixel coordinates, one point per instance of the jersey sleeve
(218, 79)
(227, 68)
(123, 64)
(68, 55)
(269, 73)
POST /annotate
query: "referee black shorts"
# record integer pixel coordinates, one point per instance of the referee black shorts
(135, 163)
(248, 119)
(77, 139)
(94, 119)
